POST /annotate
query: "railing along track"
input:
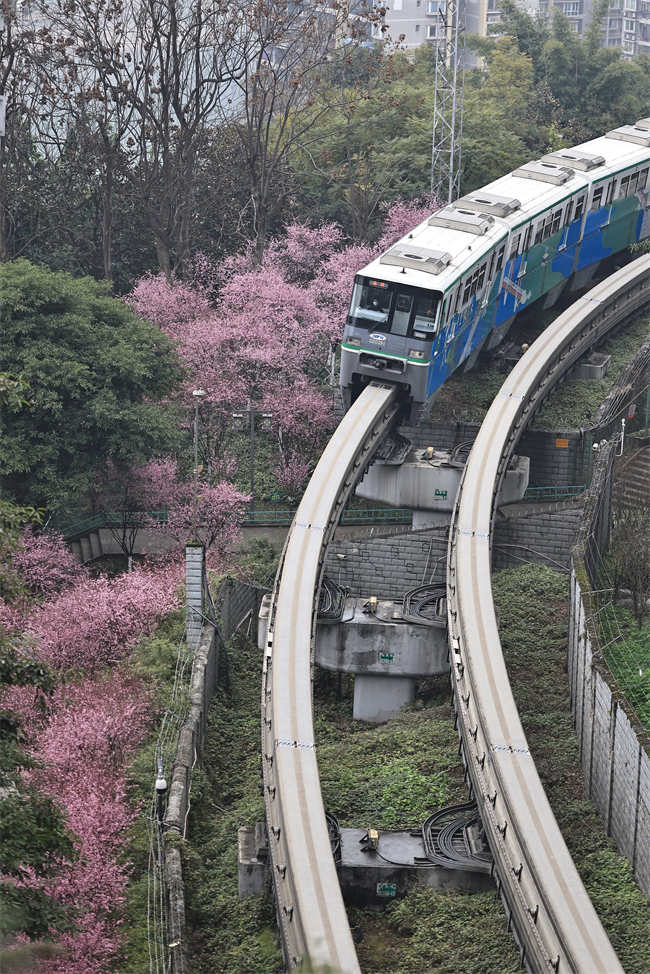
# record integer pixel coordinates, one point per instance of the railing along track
(311, 916)
(554, 921)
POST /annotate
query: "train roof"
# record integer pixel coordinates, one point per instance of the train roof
(448, 243)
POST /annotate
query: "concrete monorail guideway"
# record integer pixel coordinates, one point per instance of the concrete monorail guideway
(552, 916)
(311, 915)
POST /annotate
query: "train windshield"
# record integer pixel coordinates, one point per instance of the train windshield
(370, 306)
(398, 309)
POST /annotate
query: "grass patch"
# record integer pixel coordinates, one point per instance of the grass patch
(533, 606)
(628, 656)
(392, 776)
(572, 404)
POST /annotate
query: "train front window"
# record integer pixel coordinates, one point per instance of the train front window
(370, 305)
(402, 314)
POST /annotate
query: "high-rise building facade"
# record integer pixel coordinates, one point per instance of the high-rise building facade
(415, 22)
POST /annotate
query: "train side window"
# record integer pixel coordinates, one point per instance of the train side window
(578, 208)
(500, 254)
(642, 180)
(610, 192)
(527, 236)
(597, 199)
(556, 222)
(539, 235)
(514, 246)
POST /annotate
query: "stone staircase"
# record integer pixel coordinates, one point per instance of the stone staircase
(632, 485)
(87, 548)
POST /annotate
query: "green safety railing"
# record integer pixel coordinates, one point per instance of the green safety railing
(105, 519)
(553, 493)
(113, 519)
(352, 516)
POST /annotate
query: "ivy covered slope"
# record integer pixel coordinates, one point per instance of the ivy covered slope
(533, 606)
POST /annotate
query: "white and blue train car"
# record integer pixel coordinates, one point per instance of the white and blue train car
(455, 283)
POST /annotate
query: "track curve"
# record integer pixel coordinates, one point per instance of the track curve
(311, 916)
(554, 920)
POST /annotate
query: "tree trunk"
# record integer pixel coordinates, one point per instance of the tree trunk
(107, 220)
(4, 245)
(163, 255)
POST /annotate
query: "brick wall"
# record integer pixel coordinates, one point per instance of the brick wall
(390, 566)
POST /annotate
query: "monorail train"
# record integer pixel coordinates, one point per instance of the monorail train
(454, 284)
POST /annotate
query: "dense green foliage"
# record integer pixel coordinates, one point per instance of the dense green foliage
(533, 606)
(365, 139)
(93, 371)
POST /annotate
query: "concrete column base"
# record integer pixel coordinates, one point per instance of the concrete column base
(378, 698)
(252, 866)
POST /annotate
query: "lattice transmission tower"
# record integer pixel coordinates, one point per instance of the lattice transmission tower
(447, 102)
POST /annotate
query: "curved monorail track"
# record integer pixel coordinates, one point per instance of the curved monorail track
(555, 923)
(553, 918)
(311, 915)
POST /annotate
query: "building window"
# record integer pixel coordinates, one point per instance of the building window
(629, 25)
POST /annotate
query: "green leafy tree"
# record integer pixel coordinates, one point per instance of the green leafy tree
(95, 374)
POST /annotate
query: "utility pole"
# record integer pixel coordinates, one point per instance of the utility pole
(447, 103)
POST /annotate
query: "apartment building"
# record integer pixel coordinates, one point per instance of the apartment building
(416, 22)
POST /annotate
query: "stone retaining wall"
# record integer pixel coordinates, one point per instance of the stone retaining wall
(390, 566)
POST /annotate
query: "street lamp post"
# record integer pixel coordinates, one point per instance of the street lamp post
(198, 395)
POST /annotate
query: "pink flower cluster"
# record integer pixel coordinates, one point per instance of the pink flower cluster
(263, 332)
(86, 740)
(97, 621)
(86, 746)
(46, 564)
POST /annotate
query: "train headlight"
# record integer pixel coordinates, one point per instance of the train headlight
(415, 353)
(353, 341)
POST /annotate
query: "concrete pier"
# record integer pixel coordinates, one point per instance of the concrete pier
(428, 480)
(366, 876)
(386, 653)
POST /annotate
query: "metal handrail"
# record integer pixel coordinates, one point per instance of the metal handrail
(108, 519)
(553, 492)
